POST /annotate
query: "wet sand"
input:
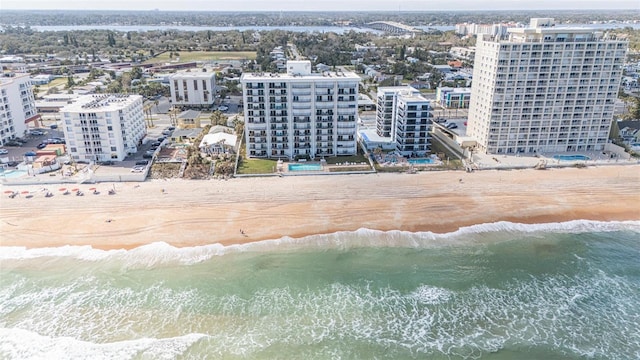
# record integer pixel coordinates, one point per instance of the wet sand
(190, 213)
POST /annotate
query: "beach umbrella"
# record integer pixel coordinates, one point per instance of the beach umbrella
(75, 189)
(92, 188)
(24, 192)
(62, 189)
(8, 192)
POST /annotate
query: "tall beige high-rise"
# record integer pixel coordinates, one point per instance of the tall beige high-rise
(545, 88)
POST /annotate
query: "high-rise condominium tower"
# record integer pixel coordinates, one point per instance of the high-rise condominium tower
(545, 89)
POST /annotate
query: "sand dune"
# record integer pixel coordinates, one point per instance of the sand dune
(192, 213)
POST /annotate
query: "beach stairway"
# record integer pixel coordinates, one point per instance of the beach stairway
(467, 166)
(541, 165)
(182, 167)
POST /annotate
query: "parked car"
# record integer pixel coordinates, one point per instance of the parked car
(142, 162)
(156, 143)
(166, 132)
(54, 126)
(4, 151)
(452, 126)
(147, 156)
(138, 168)
(107, 162)
(223, 108)
(41, 146)
(171, 128)
(12, 163)
(36, 132)
(12, 143)
(30, 153)
(162, 138)
(20, 140)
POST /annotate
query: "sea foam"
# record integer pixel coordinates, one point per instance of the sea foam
(25, 344)
(159, 253)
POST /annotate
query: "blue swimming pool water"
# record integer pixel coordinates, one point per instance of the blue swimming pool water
(305, 167)
(420, 161)
(12, 174)
(571, 157)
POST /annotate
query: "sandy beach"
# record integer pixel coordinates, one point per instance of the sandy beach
(190, 213)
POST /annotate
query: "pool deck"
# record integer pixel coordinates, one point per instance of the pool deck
(501, 161)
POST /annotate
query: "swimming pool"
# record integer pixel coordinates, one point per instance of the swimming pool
(571, 157)
(12, 174)
(420, 161)
(305, 167)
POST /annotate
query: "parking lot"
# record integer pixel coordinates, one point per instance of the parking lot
(16, 153)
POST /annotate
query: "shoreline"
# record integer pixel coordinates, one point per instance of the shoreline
(192, 213)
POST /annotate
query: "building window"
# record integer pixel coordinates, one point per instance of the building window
(113, 148)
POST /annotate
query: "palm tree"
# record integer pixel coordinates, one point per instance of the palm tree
(173, 115)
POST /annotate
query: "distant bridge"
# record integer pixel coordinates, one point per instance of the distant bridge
(393, 27)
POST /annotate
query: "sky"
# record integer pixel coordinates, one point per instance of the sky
(325, 5)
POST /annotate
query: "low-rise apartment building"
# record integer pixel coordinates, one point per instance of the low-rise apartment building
(103, 127)
(193, 89)
(453, 98)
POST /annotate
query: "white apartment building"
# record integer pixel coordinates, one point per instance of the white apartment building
(17, 105)
(300, 113)
(404, 116)
(103, 127)
(193, 89)
(545, 89)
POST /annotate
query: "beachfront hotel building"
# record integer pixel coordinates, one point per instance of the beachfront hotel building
(17, 105)
(300, 114)
(103, 127)
(193, 89)
(404, 116)
(545, 89)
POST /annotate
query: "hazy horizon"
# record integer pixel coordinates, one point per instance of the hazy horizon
(327, 5)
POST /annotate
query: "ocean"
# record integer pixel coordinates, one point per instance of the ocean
(494, 291)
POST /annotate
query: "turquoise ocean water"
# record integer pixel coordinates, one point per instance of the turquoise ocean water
(494, 291)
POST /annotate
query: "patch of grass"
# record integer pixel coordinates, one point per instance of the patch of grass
(188, 56)
(57, 82)
(349, 168)
(257, 166)
(342, 159)
(390, 169)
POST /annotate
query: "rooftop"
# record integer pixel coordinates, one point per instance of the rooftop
(10, 77)
(193, 75)
(101, 102)
(189, 114)
(327, 75)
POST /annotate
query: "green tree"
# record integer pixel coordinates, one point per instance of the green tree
(70, 82)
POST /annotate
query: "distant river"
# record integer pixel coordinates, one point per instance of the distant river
(321, 29)
(310, 29)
